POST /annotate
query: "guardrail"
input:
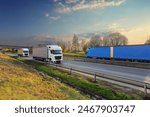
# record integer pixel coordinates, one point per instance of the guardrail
(137, 83)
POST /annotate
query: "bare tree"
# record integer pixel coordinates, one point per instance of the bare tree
(62, 44)
(75, 43)
(147, 41)
(95, 41)
(115, 39)
(85, 47)
(69, 46)
(82, 42)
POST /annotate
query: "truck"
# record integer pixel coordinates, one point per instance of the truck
(125, 52)
(23, 52)
(48, 53)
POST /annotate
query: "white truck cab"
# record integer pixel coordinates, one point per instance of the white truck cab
(55, 53)
(51, 53)
(23, 52)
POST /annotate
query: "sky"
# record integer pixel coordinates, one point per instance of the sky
(27, 18)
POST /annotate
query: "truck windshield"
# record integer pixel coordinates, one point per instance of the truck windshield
(56, 51)
(26, 51)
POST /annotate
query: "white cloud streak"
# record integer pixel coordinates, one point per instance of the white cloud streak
(83, 4)
(52, 17)
(71, 1)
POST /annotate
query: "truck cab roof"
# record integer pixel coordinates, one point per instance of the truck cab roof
(54, 47)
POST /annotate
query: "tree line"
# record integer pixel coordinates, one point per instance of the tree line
(113, 39)
(76, 45)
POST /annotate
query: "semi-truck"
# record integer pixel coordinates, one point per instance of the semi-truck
(48, 53)
(126, 52)
(23, 52)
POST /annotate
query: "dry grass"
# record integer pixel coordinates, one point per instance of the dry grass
(18, 81)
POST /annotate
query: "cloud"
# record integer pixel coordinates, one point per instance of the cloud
(61, 8)
(54, 17)
(46, 15)
(42, 37)
(71, 1)
(116, 27)
(55, 0)
(83, 4)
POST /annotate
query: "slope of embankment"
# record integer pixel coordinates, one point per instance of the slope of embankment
(19, 81)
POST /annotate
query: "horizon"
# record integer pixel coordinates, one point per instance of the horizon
(21, 19)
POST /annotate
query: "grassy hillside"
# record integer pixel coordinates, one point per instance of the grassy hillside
(19, 81)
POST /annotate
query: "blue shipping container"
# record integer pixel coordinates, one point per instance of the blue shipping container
(136, 52)
(98, 52)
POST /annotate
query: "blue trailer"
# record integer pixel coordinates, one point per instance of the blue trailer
(132, 52)
(98, 52)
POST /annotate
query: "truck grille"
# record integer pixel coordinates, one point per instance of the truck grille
(57, 57)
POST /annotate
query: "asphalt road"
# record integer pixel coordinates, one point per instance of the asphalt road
(119, 71)
(114, 70)
(16, 55)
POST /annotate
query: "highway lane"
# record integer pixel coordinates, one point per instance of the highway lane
(16, 55)
(114, 70)
(118, 71)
